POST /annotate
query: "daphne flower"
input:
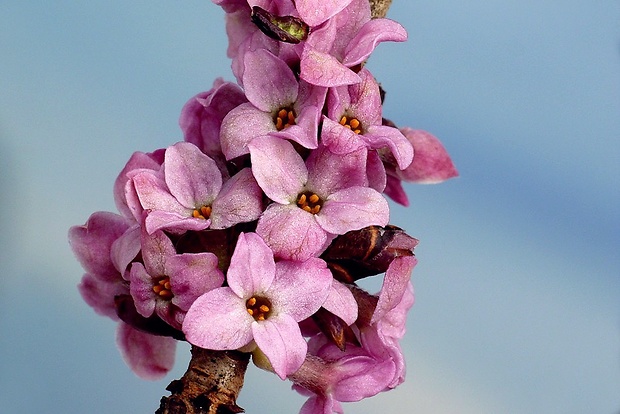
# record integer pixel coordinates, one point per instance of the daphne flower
(264, 301)
(344, 42)
(189, 195)
(168, 283)
(278, 105)
(355, 120)
(325, 196)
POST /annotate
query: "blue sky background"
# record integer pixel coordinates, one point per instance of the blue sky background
(518, 285)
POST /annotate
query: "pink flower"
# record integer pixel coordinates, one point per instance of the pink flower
(188, 194)
(355, 120)
(278, 105)
(313, 200)
(264, 301)
(168, 283)
(345, 41)
(201, 117)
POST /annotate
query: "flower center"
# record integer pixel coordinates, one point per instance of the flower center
(284, 118)
(352, 123)
(259, 307)
(203, 212)
(163, 289)
(309, 202)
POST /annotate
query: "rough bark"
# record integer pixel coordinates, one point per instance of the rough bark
(210, 385)
(379, 8)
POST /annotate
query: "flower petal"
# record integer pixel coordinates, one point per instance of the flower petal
(280, 340)
(352, 209)
(372, 33)
(300, 288)
(218, 320)
(149, 356)
(252, 267)
(322, 69)
(268, 81)
(239, 201)
(341, 302)
(193, 178)
(291, 232)
(315, 12)
(278, 168)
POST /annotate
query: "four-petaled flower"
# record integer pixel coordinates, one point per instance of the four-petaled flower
(264, 301)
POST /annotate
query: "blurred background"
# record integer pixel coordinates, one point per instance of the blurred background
(518, 287)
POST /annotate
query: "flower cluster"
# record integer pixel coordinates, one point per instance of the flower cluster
(252, 233)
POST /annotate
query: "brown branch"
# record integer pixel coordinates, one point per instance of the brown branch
(210, 385)
(379, 8)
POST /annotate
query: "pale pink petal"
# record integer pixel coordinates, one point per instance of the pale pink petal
(291, 232)
(241, 126)
(218, 320)
(372, 33)
(191, 275)
(280, 340)
(315, 12)
(252, 267)
(300, 288)
(394, 285)
(268, 81)
(322, 69)
(239, 201)
(341, 302)
(278, 168)
(193, 178)
(352, 209)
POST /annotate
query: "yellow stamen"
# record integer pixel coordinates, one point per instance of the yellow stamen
(309, 202)
(258, 307)
(284, 118)
(163, 288)
(353, 124)
(203, 212)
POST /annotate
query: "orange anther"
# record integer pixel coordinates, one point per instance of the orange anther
(314, 198)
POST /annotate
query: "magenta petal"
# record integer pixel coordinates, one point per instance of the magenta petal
(341, 302)
(149, 356)
(218, 320)
(268, 81)
(125, 249)
(352, 209)
(280, 340)
(99, 294)
(315, 12)
(322, 69)
(372, 33)
(193, 178)
(291, 232)
(92, 242)
(278, 168)
(141, 288)
(300, 288)
(431, 163)
(394, 285)
(252, 267)
(394, 189)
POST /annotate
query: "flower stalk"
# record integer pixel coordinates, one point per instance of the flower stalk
(210, 385)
